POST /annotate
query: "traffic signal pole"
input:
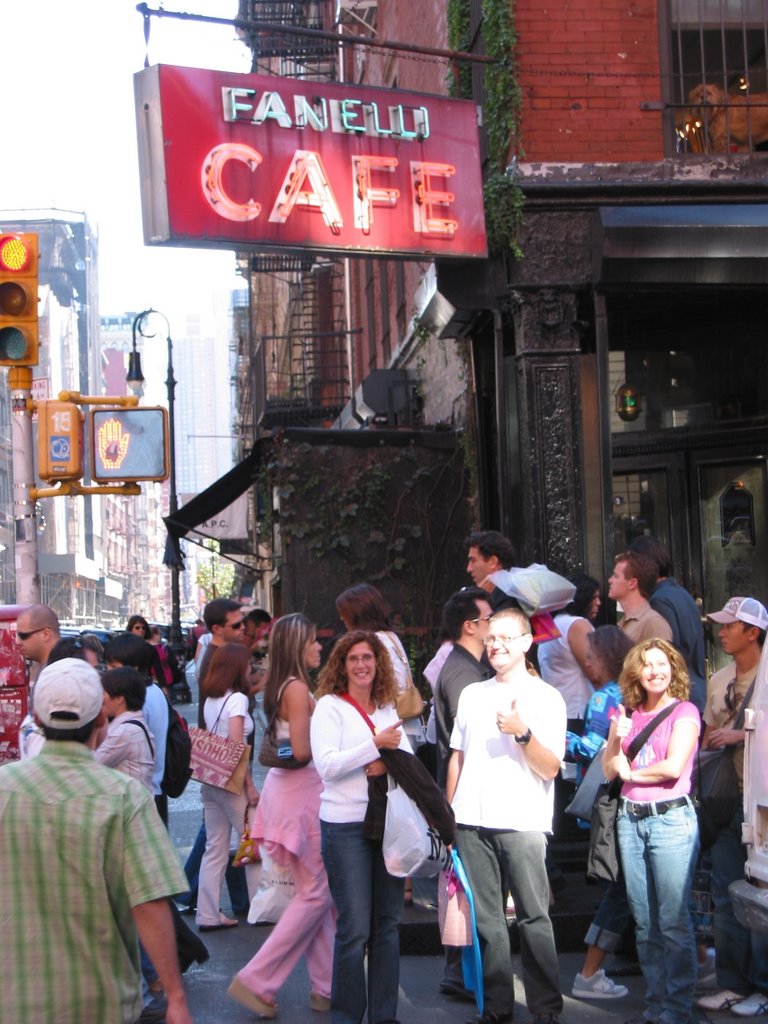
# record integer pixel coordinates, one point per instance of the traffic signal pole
(25, 523)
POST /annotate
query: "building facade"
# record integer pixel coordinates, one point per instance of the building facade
(605, 362)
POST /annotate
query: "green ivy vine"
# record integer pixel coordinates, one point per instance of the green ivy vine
(501, 114)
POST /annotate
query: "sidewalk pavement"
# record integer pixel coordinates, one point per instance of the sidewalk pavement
(420, 1000)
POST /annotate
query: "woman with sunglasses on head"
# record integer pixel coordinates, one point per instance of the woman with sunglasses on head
(656, 823)
(354, 720)
(138, 626)
(287, 825)
(225, 710)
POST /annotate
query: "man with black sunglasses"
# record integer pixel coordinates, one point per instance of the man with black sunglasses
(37, 633)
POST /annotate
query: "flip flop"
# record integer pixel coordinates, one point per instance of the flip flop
(225, 922)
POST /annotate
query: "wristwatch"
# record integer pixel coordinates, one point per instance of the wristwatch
(525, 738)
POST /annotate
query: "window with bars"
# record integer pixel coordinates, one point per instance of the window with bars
(719, 75)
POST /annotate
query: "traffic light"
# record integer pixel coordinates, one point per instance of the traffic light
(59, 441)
(129, 444)
(19, 338)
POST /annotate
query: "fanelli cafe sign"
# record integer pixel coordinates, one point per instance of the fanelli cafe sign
(266, 163)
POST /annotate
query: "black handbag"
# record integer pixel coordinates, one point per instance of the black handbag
(715, 784)
(278, 753)
(603, 861)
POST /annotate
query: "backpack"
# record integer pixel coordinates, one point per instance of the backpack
(178, 754)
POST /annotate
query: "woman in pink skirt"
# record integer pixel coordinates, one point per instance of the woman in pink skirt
(287, 825)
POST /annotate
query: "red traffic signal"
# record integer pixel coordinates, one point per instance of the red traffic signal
(129, 444)
(19, 338)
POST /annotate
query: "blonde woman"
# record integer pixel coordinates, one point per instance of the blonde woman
(287, 824)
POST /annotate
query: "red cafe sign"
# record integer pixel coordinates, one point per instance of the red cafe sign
(266, 163)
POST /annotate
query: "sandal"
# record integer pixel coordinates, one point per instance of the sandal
(224, 922)
(243, 995)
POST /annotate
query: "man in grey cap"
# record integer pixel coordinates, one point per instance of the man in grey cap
(741, 955)
(87, 867)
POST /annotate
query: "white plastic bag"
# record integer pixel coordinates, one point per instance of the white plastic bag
(536, 587)
(275, 891)
(410, 846)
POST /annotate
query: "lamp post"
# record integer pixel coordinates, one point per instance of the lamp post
(135, 380)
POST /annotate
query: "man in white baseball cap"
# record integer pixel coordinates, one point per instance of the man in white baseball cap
(68, 695)
(71, 948)
(742, 609)
(741, 955)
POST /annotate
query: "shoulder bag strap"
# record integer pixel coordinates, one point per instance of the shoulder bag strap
(273, 717)
(400, 652)
(221, 712)
(366, 717)
(739, 723)
(637, 743)
(135, 721)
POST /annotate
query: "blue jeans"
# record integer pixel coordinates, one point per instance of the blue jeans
(369, 903)
(494, 860)
(611, 919)
(658, 855)
(741, 955)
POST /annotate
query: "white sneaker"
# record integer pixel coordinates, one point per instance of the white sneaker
(755, 1005)
(597, 987)
(725, 999)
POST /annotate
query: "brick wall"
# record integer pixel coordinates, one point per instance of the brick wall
(585, 68)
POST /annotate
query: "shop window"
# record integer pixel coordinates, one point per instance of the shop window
(686, 361)
(719, 75)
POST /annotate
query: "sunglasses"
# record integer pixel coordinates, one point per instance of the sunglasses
(25, 634)
(731, 700)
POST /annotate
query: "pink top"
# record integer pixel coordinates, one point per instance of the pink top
(655, 749)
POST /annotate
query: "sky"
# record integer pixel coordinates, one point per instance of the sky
(68, 67)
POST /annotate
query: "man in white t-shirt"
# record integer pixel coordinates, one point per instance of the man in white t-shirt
(508, 741)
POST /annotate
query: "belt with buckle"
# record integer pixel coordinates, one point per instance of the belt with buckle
(645, 810)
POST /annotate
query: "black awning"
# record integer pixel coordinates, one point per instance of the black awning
(210, 502)
(716, 244)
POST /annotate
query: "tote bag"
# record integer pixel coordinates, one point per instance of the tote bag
(218, 761)
(410, 846)
(453, 910)
(603, 863)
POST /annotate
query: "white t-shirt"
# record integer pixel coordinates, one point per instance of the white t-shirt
(558, 667)
(342, 745)
(231, 705)
(497, 788)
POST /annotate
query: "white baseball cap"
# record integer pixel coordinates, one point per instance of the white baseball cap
(742, 609)
(68, 694)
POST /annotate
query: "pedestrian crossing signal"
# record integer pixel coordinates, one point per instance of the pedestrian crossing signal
(129, 444)
(59, 441)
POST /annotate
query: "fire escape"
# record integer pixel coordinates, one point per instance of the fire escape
(299, 373)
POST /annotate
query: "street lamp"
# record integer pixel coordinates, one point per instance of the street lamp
(135, 381)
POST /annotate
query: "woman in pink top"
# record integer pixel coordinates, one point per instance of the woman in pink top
(287, 824)
(657, 828)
